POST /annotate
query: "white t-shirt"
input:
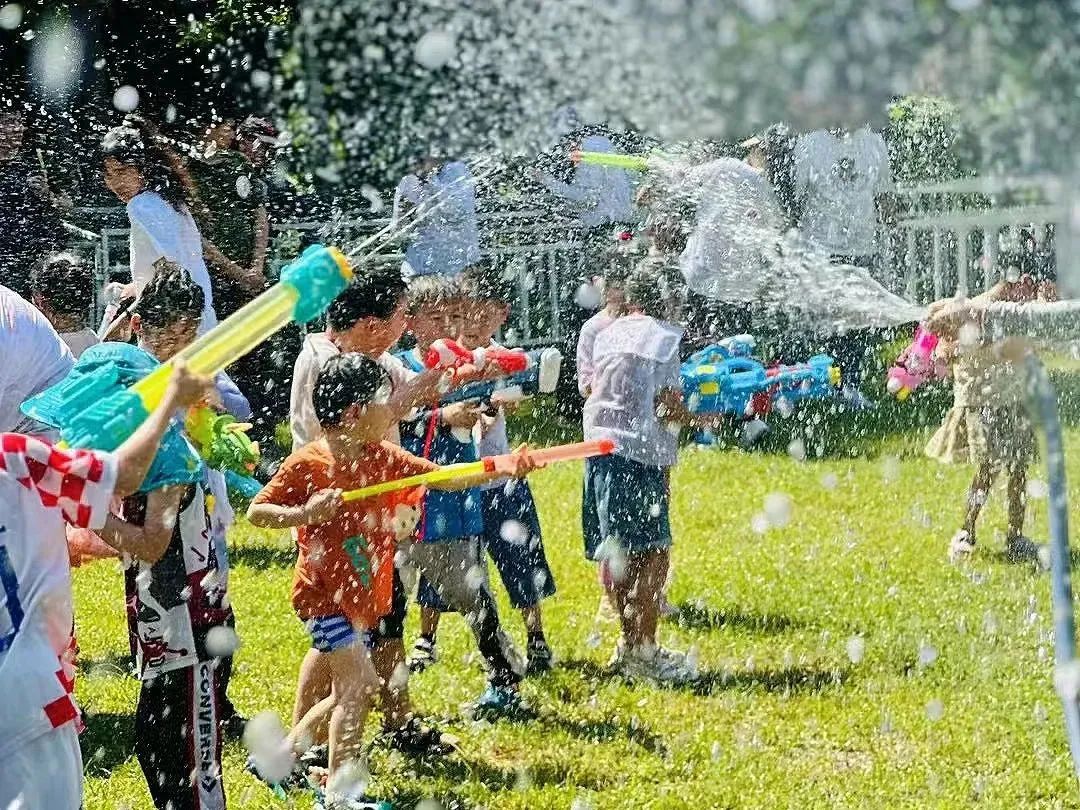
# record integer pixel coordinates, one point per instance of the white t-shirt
(840, 177)
(636, 357)
(317, 349)
(80, 341)
(159, 230)
(737, 218)
(32, 357)
(586, 339)
(40, 487)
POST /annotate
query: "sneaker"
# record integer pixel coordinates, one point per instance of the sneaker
(1021, 549)
(657, 665)
(417, 739)
(961, 546)
(423, 655)
(338, 801)
(318, 756)
(232, 727)
(497, 701)
(540, 658)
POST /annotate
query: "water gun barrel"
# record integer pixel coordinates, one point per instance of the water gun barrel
(549, 455)
(636, 163)
(306, 288)
(540, 377)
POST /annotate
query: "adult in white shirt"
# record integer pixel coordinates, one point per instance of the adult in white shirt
(155, 188)
(840, 178)
(33, 358)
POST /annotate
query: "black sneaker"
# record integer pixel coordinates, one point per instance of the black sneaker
(423, 655)
(318, 756)
(417, 739)
(541, 658)
(232, 727)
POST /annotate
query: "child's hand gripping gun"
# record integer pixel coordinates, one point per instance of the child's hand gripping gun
(915, 365)
(541, 375)
(306, 288)
(224, 446)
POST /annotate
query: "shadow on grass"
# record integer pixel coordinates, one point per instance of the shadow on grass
(787, 680)
(694, 616)
(118, 665)
(262, 558)
(107, 742)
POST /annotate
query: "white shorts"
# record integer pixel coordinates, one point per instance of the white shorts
(45, 772)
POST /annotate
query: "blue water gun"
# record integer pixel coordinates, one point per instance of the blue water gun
(817, 378)
(540, 377)
(728, 385)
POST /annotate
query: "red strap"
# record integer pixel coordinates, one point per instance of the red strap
(429, 438)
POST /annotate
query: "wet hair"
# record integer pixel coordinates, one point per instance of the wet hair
(486, 281)
(65, 284)
(432, 289)
(344, 381)
(137, 143)
(170, 296)
(375, 292)
(653, 286)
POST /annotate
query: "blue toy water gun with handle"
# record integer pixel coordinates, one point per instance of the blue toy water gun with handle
(817, 378)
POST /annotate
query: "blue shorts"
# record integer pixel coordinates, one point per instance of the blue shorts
(330, 633)
(626, 501)
(426, 594)
(512, 535)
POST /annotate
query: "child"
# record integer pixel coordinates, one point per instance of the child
(614, 301)
(368, 318)
(438, 308)
(635, 394)
(344, 575)
(40, 747)
(988, 424)
(63, 289)
(166, 320)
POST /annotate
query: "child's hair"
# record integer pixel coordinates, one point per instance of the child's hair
(485, 281)
(65, 284)
(170, 296)
(432, 289)
(653, 287)
(375, 292)
(346, 380)
(137, 143)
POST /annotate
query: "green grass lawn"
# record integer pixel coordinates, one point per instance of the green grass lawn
(845, 663)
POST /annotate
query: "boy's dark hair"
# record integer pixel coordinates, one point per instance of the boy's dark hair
(170, 296)
(652, 286)
(486, 281)
(65, 284)
(432, 289)
(375, 292)
(346, 380)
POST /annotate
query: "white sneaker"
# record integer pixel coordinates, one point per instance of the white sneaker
(658, 665)
(960, 547)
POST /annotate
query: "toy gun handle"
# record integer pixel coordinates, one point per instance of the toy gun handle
(635, 163)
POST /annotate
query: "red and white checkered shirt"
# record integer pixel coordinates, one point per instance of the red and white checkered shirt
(41, 487)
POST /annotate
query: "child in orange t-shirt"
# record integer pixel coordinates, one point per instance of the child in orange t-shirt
(344, 573)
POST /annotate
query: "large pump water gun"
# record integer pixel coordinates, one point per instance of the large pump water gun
(224, 446)
(915, 365)
(103, 422)
(488, 464)
(541, 376)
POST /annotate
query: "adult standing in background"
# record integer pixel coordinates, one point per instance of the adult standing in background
(599, 195)
(157, 191)
(448, 239)
(30, 222)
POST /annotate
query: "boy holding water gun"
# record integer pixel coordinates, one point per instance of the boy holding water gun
(175, 599)
(344, 579)
(40, 749)
(448, 552)
(635, 400)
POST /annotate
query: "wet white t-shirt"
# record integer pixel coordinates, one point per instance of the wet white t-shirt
(159, 230)
(32, 357)
(586, 339)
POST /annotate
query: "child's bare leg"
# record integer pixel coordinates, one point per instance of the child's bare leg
(355, 683)
(534, 622)
(1017, 502)
(977, 493)
(389, 660)
(645, 573)
(429, 621)
(313, 684)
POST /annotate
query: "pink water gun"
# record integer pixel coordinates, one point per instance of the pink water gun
(446, 353)
(915, 365)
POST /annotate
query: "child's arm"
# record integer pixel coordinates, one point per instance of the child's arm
(512, 465)
(150, 541)
(136, 454)
(319, 508)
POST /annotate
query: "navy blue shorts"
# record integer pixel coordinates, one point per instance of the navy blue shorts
(626, 501)
(512, 535)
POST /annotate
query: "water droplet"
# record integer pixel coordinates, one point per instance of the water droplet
(587, 296)
(716, 752)
(830, 481)
(435, 49)
(1037, 489)
(221, 641)
(890, 469)
(475, 577)
(1040, 713)
(759, 523)
(777, 509)
(1067, 680)
(514, 532)
(11, 16)
(935, 710)
(928, 654)
(856, 649)
(126, 98)
(260, 79)
(797, 449)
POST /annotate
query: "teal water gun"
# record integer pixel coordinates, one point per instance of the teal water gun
(306, 288)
